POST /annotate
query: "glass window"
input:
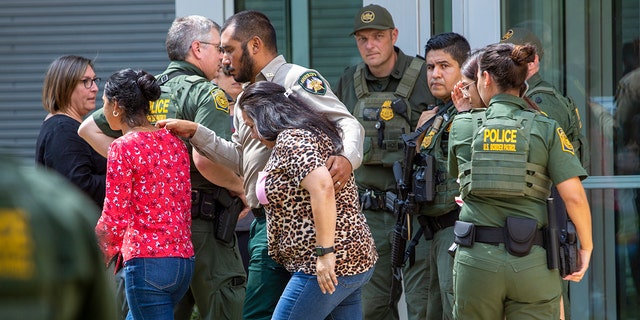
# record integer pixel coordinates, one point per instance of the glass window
(441, 14)
(626, 75)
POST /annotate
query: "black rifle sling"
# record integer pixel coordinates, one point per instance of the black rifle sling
(410, 138)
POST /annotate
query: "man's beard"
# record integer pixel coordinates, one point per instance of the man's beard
(244, 73)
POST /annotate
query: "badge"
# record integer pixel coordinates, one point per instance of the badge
(426, 142)
(507, 35)
(386, 113)
(367, 16)
(220, 99)
(311, 82)
(566, 144)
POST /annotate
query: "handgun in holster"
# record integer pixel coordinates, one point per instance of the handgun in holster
(227, 216)
(561, 244)
(424, 182)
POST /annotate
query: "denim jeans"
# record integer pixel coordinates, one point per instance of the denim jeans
(155, 285)
(302, 298)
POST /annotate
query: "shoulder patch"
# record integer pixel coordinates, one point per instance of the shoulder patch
(311, 82)
(566, 144)
(220, 99)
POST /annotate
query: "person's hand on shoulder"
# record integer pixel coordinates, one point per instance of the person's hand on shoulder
(182, 128)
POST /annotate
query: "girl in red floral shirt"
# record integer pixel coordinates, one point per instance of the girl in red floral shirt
(146, 217)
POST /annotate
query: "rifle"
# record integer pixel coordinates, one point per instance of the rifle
(404, 204)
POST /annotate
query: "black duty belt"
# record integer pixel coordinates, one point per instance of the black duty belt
(495, 236)
(443, 221)
(258, 212)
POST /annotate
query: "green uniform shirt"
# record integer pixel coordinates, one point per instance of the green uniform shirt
(204, 103)
(549, 104)
(378, 177)
(50, 264)
(548, 147)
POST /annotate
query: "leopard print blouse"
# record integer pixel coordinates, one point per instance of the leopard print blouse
(290, 225)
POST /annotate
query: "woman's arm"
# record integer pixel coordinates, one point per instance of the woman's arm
(575, 200)
(323, 204)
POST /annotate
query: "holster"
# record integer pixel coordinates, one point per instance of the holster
(569, 252)
(424, 182)
(520, 235)
(219, 207)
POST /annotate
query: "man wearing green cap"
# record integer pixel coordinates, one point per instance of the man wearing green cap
(388, 93)
(557, 107)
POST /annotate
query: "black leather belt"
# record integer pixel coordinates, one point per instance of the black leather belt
(258, 212)
(495, 236)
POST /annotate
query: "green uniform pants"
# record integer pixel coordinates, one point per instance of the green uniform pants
(267, 278)
(440, 304)
(376, 293)
(218, 283)
(490, 284)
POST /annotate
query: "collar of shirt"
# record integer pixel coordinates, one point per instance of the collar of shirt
(269, 71)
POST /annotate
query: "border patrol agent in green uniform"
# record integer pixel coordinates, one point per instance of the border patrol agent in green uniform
(50, 264)
(445, 53)
(218, 284)
(559, 108)
(506, 159)
(387, 104)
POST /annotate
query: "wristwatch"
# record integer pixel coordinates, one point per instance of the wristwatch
(321, 251)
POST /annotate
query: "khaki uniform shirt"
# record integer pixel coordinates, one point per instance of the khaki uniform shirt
(247, 156)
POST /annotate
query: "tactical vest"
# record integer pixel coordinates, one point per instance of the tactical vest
(499, 164)
(385, 116)
(573, 132)
(172, 96)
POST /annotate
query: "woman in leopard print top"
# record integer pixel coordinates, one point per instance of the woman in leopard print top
(303, 210)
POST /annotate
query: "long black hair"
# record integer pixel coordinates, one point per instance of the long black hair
(274, 110)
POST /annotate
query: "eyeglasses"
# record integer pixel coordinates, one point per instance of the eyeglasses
(465, 89)
(217, 45)
(90, 81)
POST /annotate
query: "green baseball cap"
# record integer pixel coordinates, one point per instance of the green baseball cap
(372, 16)
(520, 36)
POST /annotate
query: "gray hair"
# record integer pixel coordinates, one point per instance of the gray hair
(185, 30)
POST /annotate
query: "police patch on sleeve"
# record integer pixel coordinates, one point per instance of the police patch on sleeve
(566, 144)
(311, 82)
(220, 99)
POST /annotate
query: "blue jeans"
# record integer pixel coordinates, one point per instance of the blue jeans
(155, 285)
(302, 298)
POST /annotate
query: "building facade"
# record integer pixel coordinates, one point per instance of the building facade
(591, 49)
